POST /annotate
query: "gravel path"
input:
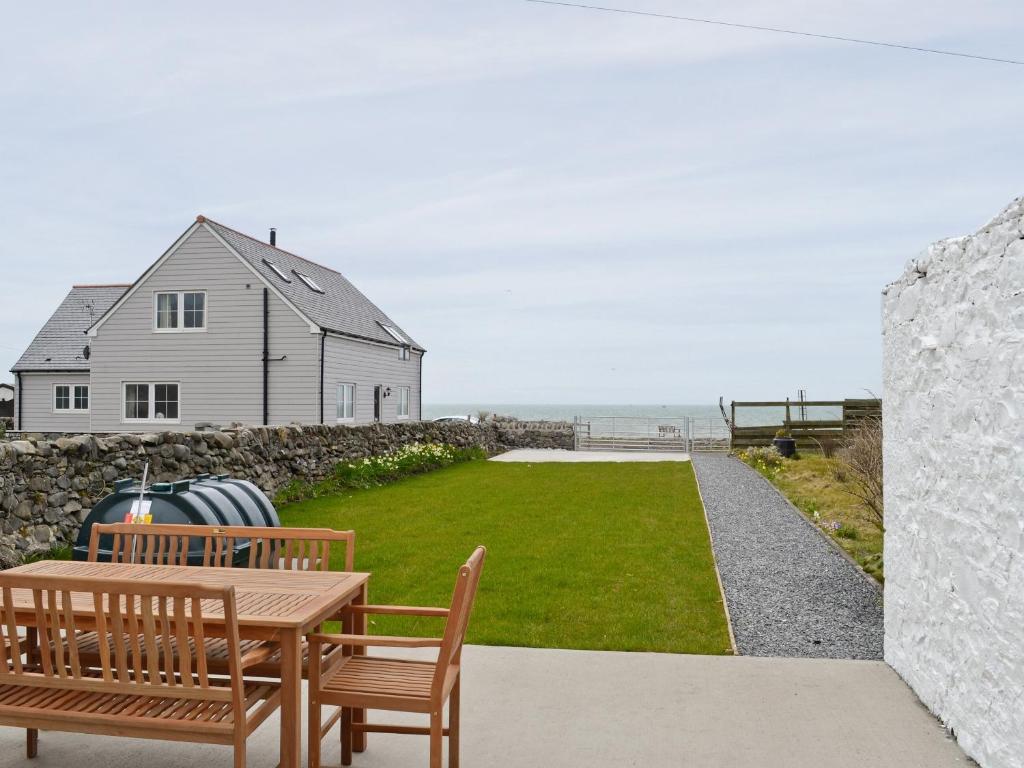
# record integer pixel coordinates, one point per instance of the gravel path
(790, 593)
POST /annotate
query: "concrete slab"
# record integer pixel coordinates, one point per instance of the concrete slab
(543, 455)
(569, 709)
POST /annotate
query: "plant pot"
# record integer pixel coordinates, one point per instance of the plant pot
(786, 446)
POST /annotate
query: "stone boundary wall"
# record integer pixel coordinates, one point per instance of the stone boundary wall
(953, 371)
(512, 433)
(49, 484)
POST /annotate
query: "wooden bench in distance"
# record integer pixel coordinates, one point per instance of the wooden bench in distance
(138, 687)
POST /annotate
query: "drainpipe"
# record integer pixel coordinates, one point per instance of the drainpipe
(323, 339)
(421, 385)
(17, 380)
(266, 356)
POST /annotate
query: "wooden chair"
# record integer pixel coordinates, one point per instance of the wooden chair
(282, 548)
(306, 549)
(139, 688)
(347, 678)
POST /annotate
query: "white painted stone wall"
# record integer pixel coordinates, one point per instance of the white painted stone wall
(953, 328)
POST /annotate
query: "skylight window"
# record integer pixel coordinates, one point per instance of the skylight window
(277, 270)
(394, 334)
(308, 281)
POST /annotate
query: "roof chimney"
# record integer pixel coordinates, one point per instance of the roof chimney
(273, 235)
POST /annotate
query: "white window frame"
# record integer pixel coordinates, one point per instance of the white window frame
(404, 353)
(338, 402)
(404, 395)
(71, 397)
(152, 402)
(181, 313)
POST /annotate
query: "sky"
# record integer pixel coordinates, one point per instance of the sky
(561, 205)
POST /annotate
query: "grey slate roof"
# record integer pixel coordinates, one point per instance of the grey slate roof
(341, 307)
(58, 346)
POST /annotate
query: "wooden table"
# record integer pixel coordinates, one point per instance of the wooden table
(272, 605)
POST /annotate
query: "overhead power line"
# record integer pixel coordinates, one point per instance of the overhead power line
(778, 30)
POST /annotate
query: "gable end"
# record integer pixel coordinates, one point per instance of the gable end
(200, 222)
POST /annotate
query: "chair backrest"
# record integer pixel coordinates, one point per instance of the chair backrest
(224, 546)
(458, 615)
(144, 621)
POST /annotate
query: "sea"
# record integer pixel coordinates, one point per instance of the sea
(566, 412)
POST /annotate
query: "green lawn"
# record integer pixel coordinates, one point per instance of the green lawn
(596, 556)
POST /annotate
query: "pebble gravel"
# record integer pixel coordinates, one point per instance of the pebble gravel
(789, 591)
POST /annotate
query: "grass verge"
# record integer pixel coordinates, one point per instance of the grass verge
(590, 556)
(810, 483)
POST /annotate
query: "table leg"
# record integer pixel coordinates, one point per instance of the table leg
(359, 715)
(32, 646)
(291, 698)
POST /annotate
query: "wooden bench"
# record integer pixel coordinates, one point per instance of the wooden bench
(306, 549)
(139, 687)
(347, 678)
(283, 548)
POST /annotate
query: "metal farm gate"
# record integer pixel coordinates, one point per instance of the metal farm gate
(636, 433)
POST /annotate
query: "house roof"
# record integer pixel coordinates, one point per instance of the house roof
(58, 346)
(340, 307)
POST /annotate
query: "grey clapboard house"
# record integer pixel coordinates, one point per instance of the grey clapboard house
(221, 328)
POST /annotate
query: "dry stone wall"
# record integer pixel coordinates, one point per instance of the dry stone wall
(953, 329)
(49, 484)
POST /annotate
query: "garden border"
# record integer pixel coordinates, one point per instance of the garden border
(714, 560)
(834, 544)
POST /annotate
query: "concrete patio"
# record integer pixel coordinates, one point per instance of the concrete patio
(563, 709)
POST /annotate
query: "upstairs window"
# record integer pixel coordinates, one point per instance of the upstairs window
(166, 311)
(403, 402)
(180, 311)
(403, 353)
(194, 310)
(308, 281)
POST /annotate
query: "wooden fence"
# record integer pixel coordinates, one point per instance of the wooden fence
(809, 434)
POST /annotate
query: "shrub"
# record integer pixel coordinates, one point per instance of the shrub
(295, 490)
(407, 460)
(373, 471)
(874, 564)
(828, 445)
(766, 460)
(59, 552)
(845, 531)
(860, 461)
(807, 506)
